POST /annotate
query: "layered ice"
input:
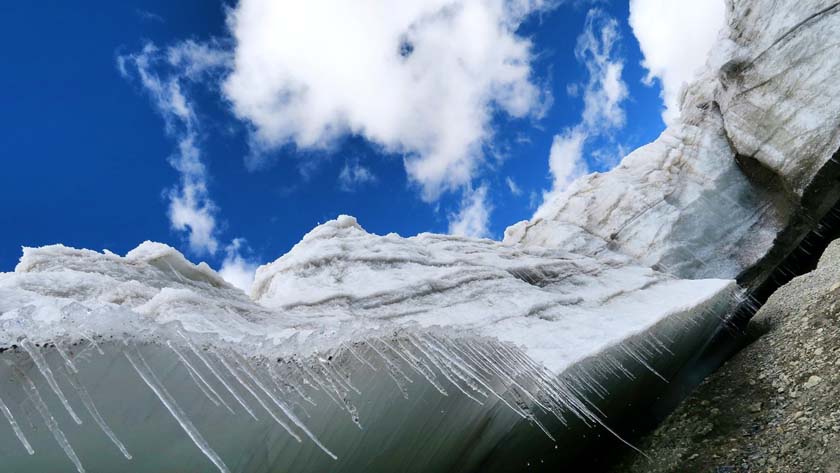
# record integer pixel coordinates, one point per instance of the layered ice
(109, 350)
(559, 306)
(751, 166)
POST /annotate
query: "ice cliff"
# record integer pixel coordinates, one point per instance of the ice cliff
(360, 352)
(749, 168)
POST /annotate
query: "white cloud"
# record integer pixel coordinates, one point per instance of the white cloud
(164, 76)
(417, 77)
(236, 269)
(190, 208)
(675, 37)
(605, 91)
(353, 175)
(566, 160)
(603, 96)
(473, 218)
(514, 188)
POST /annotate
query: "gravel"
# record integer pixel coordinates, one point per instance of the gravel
(775, 406)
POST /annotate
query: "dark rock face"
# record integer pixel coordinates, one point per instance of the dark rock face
(774, 407)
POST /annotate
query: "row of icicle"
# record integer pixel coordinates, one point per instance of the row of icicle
(484, 370)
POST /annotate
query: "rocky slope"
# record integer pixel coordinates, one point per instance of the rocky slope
(775, 407)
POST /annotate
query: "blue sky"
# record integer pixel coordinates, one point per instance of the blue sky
(91, 153)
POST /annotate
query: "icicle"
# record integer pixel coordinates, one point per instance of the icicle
(16, 427)
(94, 412)
(562, 394)
(47, 373)
(446, 371)
(508, 379)
(66, 358)
(416, 364)
(302, 366)
(339, 388)
(632, 354)
(148, 376)
(430, 376)
(329, 376)
(295, 364)
(199, 380)
(358, 356)
(90, 338)
(49, 420)
(287, 411)
(276, 378)
(342, 377)
(459, 367)
(340, 394)
(260, 400)
(420, 366)
(218, 376)
(393, 371)
(500, 397)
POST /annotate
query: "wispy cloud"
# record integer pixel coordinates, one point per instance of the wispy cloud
(675, 37)
(353, 175)
(513, 186)
(162, 75)
(605, 91)
(473, 217)
(603, 96)
(149, 16)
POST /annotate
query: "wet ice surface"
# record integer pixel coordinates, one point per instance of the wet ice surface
(434, 344)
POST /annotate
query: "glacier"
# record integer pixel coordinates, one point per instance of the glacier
(362, 352)
(348, 340)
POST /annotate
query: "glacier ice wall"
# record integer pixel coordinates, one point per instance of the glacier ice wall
(351, 344)
(751, 166)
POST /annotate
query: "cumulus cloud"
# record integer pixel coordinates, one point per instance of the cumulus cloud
(236, 269)
(422, 78)
(675, 37)
(353, 175)
(473, 218)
